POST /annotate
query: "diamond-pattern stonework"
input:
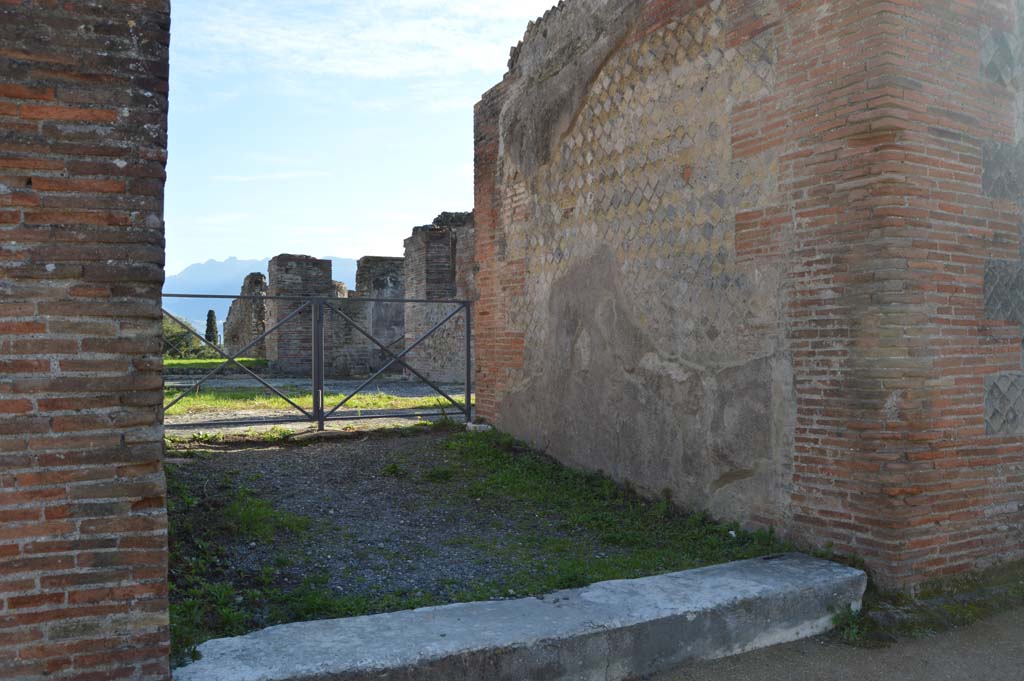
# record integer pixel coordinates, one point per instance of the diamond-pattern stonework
(647, 172)
(999, 55)
(1004, 404)
(1003, 171)
(1004, 290)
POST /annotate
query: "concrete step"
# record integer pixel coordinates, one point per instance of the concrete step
(608, 631)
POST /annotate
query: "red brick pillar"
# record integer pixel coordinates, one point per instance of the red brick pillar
(904, 316)
(83, 546)
(498, 345)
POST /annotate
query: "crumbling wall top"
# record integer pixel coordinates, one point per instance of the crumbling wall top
(551, 71)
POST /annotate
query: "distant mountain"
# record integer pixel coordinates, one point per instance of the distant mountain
(224, 277)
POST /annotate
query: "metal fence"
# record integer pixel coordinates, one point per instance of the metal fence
(322, 413)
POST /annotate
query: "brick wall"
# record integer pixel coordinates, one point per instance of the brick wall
(439, 266)
(352, 352)
(290, 348)
(815, 203)
(83, 105)
(347, 352)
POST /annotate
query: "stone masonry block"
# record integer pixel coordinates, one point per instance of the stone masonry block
(1004, 290)
(1004, 404)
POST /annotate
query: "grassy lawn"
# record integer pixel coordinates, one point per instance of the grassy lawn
(592, 530)
(171, 364)
(259, 399)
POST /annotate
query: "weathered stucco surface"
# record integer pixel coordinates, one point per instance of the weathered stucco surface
(650, 351)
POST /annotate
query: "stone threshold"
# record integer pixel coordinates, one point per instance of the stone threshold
(609, 631)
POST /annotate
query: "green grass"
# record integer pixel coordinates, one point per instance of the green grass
(258, 399)
(602, 532)
(207, 601)
(254, 518)
(608, 532)
(171, 364)
(393, 470)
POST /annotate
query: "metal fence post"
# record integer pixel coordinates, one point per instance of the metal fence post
(469, 362)
(318, 363)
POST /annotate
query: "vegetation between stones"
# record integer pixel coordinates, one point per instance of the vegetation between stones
(888, 616)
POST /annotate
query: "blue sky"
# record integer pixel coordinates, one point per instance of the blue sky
(325, 127)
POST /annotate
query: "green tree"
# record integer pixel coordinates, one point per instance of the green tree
(180, 341)
(211, 334)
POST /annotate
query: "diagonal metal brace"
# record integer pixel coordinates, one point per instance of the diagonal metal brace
(398, 359)
(233, 359)
(405, 352)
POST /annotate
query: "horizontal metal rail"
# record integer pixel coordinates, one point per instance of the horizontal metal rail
(356, 299)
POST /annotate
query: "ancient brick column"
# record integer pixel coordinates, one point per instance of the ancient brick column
(83, 544)
(350, 353)
(439, 266)
(290, 348)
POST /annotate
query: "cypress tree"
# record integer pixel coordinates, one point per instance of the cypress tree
(211, 328)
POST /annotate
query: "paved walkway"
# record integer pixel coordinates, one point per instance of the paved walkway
(992, 650)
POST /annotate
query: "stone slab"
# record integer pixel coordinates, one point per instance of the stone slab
(607, 631)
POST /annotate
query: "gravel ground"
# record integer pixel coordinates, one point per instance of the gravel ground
(374, 532)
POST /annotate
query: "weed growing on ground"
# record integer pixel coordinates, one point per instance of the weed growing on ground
(634, 536)
(851, 626)
(253, 518)
(206, 601)
(393, 470)
(439, 474)
(947, 604)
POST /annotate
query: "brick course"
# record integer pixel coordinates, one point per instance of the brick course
(83, 105)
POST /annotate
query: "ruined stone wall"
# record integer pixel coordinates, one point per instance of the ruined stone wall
(740, 251)
(83, 544)
(346, 351)
(247, 318)
(439, 266)
(350, 353)
(290, 348)
(378, 277)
